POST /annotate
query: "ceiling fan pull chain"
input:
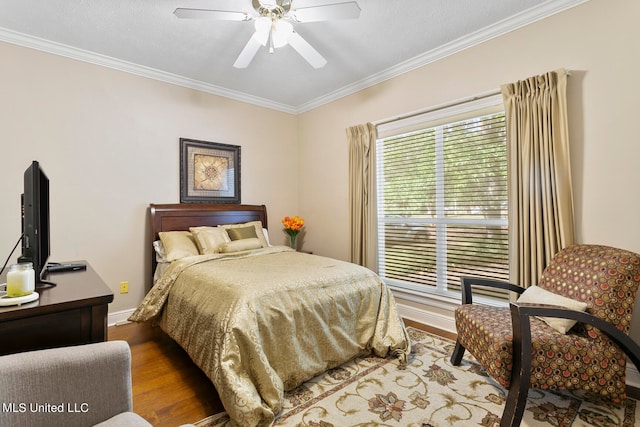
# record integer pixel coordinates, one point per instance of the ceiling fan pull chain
(273, 28)
(271, 43)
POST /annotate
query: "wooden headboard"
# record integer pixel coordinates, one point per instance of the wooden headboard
(179, 217)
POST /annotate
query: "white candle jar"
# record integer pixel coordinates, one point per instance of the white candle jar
(21, 279)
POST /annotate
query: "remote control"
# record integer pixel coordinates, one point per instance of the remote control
(65, 267)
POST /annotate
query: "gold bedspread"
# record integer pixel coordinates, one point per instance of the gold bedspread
(262, 322)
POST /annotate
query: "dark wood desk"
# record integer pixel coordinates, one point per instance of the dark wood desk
(73, 312)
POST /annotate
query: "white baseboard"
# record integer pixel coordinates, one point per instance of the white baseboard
(448, 324)
(445, 323)
(119, 317)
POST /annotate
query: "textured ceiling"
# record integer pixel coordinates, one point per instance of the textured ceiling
(145, 37)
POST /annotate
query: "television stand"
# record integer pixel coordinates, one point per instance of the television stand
(71, 313)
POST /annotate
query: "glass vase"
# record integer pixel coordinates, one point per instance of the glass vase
(293, 241)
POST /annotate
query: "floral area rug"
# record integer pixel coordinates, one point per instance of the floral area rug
(429, 391)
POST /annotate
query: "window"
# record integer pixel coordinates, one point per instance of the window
(442, 200)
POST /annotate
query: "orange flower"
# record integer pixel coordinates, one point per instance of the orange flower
(292, 227)
(293, 224)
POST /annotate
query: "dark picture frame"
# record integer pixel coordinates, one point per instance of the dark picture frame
(209, 172)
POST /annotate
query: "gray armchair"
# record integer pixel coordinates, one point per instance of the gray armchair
(70, 386)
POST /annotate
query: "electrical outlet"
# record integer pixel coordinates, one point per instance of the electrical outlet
(124, 287)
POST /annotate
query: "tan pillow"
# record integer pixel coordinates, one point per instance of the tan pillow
(537, 295)
(209, 239)
(248, 230)
(241, 245)
(178, 244)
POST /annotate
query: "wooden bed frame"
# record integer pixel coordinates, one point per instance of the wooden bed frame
(179, 217)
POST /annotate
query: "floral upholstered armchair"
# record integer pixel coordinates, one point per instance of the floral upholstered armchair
(536, 342)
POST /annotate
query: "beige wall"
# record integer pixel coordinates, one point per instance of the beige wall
(108, 141)
(597, 40)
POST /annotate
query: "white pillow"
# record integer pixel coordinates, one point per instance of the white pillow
(161, 256)
(537, 295)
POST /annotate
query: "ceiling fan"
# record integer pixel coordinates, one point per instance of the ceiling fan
(273, 22)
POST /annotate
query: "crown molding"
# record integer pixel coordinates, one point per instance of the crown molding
(60, 49)
(498, 29)
(542, 11)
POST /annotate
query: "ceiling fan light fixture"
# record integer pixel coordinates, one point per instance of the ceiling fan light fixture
(277, 8)
(269, 4)
(263, 28)
(279, 30)
(282, 31)
(274, 28)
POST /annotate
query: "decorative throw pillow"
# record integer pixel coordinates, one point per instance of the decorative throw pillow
(248, 230)
(209, 239)
(241, 245)
(240, 233)
(537, 295)
(178, 244)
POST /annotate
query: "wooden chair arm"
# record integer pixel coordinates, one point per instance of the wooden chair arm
(521, 371)
(521, 312)
(468, 282)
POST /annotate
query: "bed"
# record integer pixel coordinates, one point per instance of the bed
(263, 320)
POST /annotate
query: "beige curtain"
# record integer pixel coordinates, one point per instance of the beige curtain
(540, 196)
(361, 140)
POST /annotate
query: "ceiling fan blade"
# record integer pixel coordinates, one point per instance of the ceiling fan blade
(249, 51)
(307, 51)
(346, 10)
(219, 15)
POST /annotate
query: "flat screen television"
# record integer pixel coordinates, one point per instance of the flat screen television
(35, 220)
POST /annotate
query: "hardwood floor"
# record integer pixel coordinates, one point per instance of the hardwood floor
(168, 388)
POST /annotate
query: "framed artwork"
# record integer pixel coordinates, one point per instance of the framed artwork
(209, 172)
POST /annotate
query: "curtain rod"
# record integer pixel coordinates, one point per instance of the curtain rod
(443, 106)
(437, 108)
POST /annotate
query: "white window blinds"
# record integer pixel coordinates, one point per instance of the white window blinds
(442, 199)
